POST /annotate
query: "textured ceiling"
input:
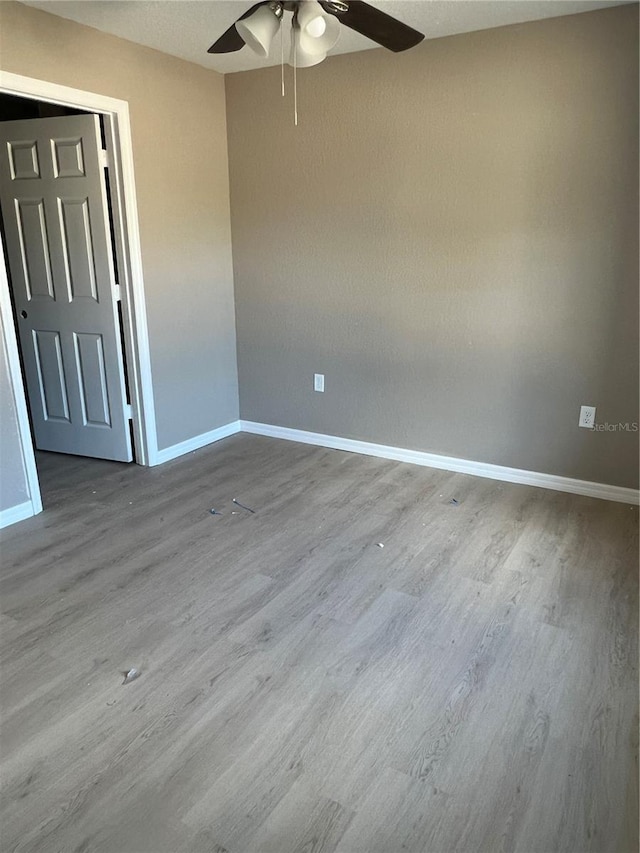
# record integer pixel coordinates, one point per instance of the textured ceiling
(186, 28)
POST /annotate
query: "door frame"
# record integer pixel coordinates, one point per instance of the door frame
(127, 235)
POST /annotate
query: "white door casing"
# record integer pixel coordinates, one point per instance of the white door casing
(54, 204)
(115, 114)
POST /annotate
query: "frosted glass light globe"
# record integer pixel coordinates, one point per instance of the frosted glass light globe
(316, 27)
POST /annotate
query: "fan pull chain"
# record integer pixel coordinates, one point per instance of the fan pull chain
(282, 56)
(295, 80)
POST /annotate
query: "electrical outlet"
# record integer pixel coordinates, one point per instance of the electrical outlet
(587, 417)
(318, 382)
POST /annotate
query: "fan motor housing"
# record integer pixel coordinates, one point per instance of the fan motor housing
(336, 7)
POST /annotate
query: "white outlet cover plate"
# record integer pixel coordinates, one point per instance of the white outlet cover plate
(318, 382)
(587, 417)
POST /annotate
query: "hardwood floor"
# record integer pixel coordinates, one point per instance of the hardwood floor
(470, 686)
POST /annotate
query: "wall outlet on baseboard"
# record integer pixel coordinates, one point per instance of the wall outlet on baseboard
(318, 382)
(587, 417)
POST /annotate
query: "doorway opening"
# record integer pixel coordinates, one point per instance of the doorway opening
(61, 253)
(23, 98)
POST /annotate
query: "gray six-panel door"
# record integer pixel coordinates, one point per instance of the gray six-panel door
(54, 208)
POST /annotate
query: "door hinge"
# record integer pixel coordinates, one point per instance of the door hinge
(104, 159)
(117, 292)
(128, 412)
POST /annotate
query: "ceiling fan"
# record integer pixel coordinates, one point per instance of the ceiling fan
(315, 28)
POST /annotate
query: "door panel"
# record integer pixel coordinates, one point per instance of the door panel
(52, 382)
(68, 158)
(77, 248)
(93, 385)
(54, 206)
(23, 160)
(34, 249)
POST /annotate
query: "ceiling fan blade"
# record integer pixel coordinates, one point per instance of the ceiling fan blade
(376, 25)
(231, 40)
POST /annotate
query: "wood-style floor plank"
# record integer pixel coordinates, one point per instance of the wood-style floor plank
(358, 665)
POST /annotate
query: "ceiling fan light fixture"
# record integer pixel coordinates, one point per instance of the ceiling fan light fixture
(259, 29)
(317, 32)
(316, 27)
(301, 58)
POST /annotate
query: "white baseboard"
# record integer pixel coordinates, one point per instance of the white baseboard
(399, 454)
(450, 463)
(196, 442)
(17, 513)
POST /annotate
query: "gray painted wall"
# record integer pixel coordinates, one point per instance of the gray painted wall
(450, 235)
(178, 125)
